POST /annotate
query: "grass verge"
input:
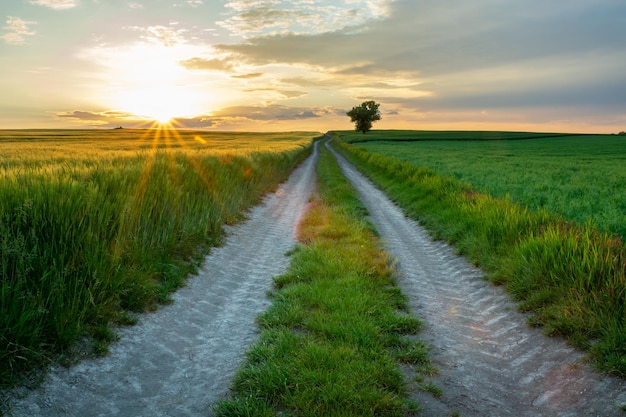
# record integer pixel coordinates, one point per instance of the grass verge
(571, 277)
(338, 327)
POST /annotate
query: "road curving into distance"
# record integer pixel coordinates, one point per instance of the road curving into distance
(181, 358)
(491, 363)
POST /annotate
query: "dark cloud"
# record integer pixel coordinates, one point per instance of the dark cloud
(368, 69)
(270, 112)
(106, 118)
(598, 94)
(115, 119)
(448, 36)
(227, 116)
(291, 93)
(199, 122)
(88, 115)
(483, 53)
(248, 76)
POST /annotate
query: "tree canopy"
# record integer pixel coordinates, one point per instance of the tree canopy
(364, 115)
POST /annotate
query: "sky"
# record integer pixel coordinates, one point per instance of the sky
(278, 65)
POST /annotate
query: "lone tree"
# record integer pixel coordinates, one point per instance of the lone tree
(364, 115)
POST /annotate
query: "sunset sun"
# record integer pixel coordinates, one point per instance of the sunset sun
(161, 103)
(147, 80)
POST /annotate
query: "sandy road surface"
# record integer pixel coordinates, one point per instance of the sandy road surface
(180, 359)
(491, 363)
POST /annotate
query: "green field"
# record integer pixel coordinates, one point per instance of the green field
(581, 177)
(507, 206)
(94, 224)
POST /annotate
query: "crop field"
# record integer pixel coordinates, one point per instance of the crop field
(580, 177)
(542, 214)
(96, 224)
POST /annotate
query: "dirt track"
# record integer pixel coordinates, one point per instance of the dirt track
(180, 359)
(491, 363)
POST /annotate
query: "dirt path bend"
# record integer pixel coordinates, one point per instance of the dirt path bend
(180, 359)
(491, 363)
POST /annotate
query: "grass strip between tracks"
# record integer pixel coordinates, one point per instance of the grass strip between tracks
(338, 329)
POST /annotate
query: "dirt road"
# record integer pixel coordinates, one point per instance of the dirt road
(180, 359)
(491, 363)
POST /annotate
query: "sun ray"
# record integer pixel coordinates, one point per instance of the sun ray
(134, 200)
(197, 165)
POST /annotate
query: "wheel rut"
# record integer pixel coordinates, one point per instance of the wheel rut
(491, 363)
(181, 358)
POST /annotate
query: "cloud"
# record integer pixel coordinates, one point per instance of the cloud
(458, 53)
(17, 28)
(308, 82)
(259, 19)
(271, 17)
(112, 118)
(163, 35)
(108, 118)
(238, 116)
(270, 112)
(13, 38)
(450, 57)
(135, 5)
(248, 76)
(227, 116)
(190, 3)
(204, 64)
(291, 93)
(284, 93)
(56, 4)
(199, 122)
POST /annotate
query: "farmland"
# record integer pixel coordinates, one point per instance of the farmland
(97, 224)
(336, 314)
(580, 177)
(570, 273)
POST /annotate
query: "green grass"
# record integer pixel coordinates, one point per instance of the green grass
(338, 327)
(443, 135)
(96, 224)
(580, 177)
(571, 276)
